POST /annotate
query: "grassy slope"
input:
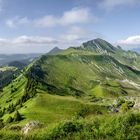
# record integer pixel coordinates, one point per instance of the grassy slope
(51, 109)
(70, 68)
(81, 70)
(8, 98)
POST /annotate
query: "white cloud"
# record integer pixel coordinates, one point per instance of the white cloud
(3, 40)
(28, 40)
(111, 4)
(22, 40)
(132, 40)
(74, 34)
(46, 21)
(71, 17)
(27, 44)
(16, 21)
(74, 16)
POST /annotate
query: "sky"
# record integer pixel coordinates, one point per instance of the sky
(36, 26)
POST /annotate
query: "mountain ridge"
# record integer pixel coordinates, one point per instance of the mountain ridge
(72, 84)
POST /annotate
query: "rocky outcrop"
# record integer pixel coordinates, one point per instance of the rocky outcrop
(31, 126)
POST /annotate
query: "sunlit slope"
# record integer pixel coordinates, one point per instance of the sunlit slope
(79, 74)
(51, 109)
(100, 46)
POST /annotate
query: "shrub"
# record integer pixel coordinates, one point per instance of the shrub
(1, 123)
(9, 135)
(17, 117)
(64, 129)
(120, 101)
(1, 113)
(123, 127)
(11, 108)
(124, 107)
(9, 120)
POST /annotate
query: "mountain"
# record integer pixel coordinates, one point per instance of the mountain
(17, 64)
(86, 92)
(99, 46)
(55, 50)
(7, 74)
(11, 66)
(136, 50)
(88, 69)
(7, 58)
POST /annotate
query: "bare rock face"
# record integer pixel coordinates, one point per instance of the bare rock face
(31, 126)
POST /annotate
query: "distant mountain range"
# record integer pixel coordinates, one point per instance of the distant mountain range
(136, 50)
(26, 58)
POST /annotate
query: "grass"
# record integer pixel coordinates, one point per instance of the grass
(74, 117)
(7, 68)
(51, 109)
(110, 127)
(8, 98)
(79, 70)
(19, 83)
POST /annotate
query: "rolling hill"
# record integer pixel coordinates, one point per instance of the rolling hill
(72, 90)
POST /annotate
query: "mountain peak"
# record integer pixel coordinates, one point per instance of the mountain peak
(54, 50)
(98, 39)
(99, 45)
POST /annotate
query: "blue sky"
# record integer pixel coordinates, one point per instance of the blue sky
(28, 26)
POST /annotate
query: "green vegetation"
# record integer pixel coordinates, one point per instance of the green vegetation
(7, 74)
(108, 127)
(89, 92)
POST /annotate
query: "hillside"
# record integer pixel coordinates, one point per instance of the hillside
(89, 70)
(67, 90)
(12, 65)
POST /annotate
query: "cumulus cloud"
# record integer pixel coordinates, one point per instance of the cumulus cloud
(3, 41)
(33, 40)
(28, 40)
(16, 21)
(132, 40)
(71, 17)
(27, 44)
(74, 34)
(111, 4)
(74, 16)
